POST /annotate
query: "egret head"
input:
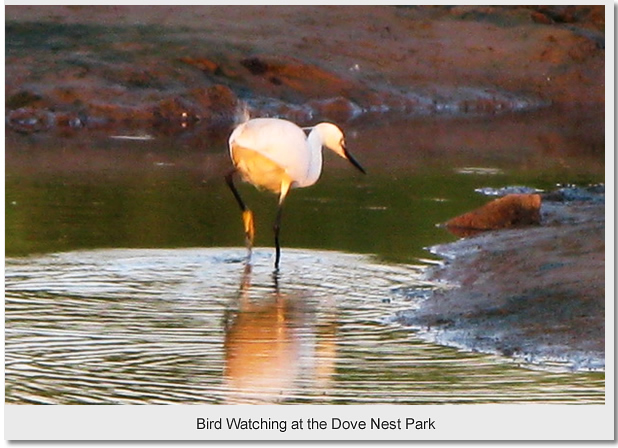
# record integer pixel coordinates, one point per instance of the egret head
(332, 137)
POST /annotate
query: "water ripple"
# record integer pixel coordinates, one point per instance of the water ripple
(197, 326)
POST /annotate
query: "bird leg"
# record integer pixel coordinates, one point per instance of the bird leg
(285, 188)
(276, 229)
(247, 215)
(247, 219)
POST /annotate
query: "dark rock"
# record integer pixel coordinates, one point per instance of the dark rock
(217, 100)
(215, 105)
(175, 110)
(205, 64)
(294, 80)
(583, 15)
(23, 98)
(28, 120)
(337, 109)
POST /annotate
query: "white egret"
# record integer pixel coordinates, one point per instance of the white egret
(277, 155)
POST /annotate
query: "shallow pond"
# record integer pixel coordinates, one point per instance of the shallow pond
(125, 282)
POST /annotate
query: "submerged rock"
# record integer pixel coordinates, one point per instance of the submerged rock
(595, 193)
(503, 191)
(27, 120)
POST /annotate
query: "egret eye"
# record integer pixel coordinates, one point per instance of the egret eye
(276, 155)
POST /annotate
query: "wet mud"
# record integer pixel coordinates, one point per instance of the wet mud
(536, 293)
(172, 67)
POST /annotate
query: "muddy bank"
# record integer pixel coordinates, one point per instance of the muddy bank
(171, 67)
(536, 294)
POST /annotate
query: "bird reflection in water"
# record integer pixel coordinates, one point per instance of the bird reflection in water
(276, 346)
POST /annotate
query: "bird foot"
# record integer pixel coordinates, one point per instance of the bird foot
(247, 219)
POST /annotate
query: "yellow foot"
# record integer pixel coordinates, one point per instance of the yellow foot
(247, 219)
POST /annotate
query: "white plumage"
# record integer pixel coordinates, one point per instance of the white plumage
(277, 155)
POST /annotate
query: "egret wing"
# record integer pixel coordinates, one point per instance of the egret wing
(281, 141)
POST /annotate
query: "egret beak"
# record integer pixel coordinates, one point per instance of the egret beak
(353, 161)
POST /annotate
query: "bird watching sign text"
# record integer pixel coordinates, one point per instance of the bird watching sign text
(299, 423)
(313, 424)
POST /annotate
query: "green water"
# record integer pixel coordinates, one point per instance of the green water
(85, 192)
(73, 202)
